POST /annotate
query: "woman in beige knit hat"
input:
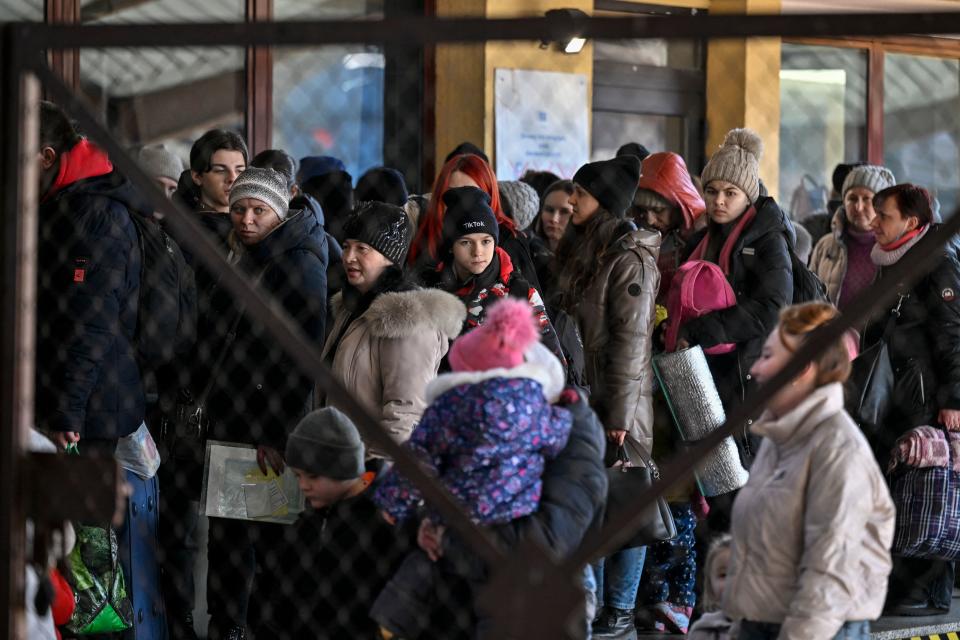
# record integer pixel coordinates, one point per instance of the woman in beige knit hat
(749, 238)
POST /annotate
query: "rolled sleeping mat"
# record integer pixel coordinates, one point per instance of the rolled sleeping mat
(695, 405)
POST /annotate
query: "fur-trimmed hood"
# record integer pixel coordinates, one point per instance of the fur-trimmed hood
(548, 374)
(399, 314)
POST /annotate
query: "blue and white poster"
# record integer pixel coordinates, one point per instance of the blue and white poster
(542, 121)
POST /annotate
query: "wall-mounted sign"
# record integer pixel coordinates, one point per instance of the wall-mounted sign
(542, 122)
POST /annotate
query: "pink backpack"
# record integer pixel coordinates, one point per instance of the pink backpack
(698, 288)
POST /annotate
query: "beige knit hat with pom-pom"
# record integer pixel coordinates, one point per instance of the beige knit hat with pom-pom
(737, 161)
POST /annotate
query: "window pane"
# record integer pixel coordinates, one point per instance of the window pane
(921, 97)
(823, 113)
(329, 100)
(21, 10)
(610, 130)
(165, 95)
(326, 9)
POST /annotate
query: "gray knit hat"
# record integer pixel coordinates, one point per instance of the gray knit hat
(266, 185)
(737, 161)
(157, 162)
(523, 199)
(326, 443)
(869, 176)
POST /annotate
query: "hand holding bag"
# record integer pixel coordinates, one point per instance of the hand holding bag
(626, 482)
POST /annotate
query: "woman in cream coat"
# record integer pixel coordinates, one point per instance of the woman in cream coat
(812, 528)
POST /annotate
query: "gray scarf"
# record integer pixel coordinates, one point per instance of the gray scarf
(883, 258)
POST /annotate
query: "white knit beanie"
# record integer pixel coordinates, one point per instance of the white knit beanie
(266, 185)
(158, 162)
(872, 177)
(737, 161)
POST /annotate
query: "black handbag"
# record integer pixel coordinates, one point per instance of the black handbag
(870, 388)
(626, 481)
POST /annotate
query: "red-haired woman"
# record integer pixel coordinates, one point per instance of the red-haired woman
(466, 170)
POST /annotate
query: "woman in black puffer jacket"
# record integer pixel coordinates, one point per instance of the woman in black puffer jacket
(924, 348)
(749, 238)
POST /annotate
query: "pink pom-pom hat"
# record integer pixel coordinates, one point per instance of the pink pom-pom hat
(500, 342)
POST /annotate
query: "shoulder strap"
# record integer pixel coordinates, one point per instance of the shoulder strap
(891, 324)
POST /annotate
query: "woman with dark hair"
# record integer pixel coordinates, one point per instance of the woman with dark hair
(749, 238)
(388, 335)
(466, 170)
(924, 347)
(548, 229)
(607, 281)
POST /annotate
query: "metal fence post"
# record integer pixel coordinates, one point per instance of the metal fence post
(18, 267)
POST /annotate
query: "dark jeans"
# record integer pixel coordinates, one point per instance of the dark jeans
(750, 630)
(916, 582)
(179, 517)
(235, 549)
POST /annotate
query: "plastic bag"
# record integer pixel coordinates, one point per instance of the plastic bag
(98, 584)
(138, 453)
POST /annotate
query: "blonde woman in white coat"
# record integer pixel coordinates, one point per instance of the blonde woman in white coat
(812, 528)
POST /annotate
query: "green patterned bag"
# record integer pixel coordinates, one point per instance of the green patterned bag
(97, 580)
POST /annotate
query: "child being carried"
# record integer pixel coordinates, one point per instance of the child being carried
(487, 434)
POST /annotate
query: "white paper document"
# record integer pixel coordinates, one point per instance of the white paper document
(234, 486)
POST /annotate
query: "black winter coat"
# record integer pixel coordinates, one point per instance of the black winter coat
(214, 305)
(88, 379)
(336, 561)
(924, 348)
(259, 394)
(761, 276)
(571, 504)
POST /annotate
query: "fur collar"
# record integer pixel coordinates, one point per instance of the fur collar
(400, 314)
(551, 379)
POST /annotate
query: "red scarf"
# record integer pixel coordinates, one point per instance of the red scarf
(727, 250)
(904, 239)
(84, 160)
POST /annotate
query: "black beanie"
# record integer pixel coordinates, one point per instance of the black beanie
(633, 149)
(381, 184)
(468, 211)
(385, 227)
(611, 182)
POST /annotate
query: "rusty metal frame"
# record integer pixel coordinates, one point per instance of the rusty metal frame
(23, 59)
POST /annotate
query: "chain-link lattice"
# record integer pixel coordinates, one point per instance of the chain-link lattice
(217, 322)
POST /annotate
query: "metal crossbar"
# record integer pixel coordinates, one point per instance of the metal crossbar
(436, 30)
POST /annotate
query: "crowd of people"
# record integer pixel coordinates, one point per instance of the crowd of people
(504, 332)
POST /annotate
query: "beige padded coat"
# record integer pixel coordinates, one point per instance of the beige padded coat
(812, 528)
(829, 258)
(616, 322)
(388, 355)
